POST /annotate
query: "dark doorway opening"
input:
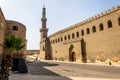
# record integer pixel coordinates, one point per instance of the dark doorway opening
(83, 51)
(73, 56)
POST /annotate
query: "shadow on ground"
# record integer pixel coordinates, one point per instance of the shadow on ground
(39, 69)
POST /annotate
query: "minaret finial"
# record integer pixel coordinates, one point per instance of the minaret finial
(43, 5)
(44, 12)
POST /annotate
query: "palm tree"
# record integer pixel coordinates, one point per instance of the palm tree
(11, 45)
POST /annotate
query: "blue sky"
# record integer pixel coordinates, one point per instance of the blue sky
(60, 14)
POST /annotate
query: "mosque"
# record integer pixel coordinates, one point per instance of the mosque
(96, 38)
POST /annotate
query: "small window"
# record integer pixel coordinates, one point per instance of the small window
(43, 48)
(119, 21)
(53, 41)
(15, 28)
(109, 23)
(58, 40)
(65, 37)
(88, 31)
(77, 34)
(73, 36)
(101, 27)
(61, 39)
(94, 29)
(69, 36)
(82, 32)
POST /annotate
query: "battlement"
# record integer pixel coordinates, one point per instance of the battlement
(106, 12)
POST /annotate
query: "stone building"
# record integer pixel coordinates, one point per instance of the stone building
(10, 27)
(96, 38)
(32, 52)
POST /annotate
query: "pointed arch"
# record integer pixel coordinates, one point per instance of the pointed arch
(58, 40)
(119, 21)
(94, 29)
(72, 55)
(101, 27)
(65, 37)
(77, 34)
(82, 32)
(109, 23)
(68, 36)
(88, 31)
(73, 36)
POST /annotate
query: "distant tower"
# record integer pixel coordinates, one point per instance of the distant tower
(45, 50)
(43, 30)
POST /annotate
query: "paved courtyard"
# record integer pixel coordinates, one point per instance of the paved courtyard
(52, 70)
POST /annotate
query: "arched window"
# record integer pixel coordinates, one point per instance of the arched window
(61, 39)
(54, 41)
(82, 32)
(77, 34)
(65, 37)
(58, 40)
(119, 21)
(101, 27)
(68, 36)
(94, 29)
(15, 28)
(109, 23)
(88, 31)
(43, 48)
(73, 36)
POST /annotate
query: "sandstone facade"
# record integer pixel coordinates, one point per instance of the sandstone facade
(96, 38)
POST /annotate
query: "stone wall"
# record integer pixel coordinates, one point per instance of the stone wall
(19, 30)
(2, 30)
(100, 42)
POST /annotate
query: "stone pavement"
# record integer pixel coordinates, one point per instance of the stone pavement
(40, 77)
(29, 76)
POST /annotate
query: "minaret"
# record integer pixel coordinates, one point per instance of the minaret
(43, 30)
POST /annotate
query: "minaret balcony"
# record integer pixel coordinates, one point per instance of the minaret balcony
(43, 29)
(43, 19)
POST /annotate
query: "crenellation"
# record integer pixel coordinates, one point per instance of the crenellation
(113, 8)
(84, 35)
(92, 18)
(101, 14)
(95, 17)
(98, 15)
(105, 12)
(118, 7)
(89, 19)
(109, 11)
(84, 21)
(81, 22)
(77, 24)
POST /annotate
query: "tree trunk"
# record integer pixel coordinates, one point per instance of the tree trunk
(5, 67)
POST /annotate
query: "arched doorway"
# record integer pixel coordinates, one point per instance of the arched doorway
(72, 55)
